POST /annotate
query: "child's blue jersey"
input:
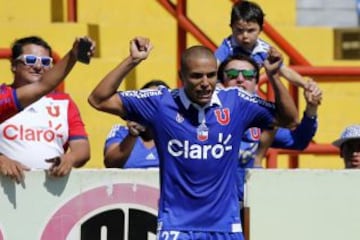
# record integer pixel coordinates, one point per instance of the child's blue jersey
(198, 149)
(229, 47)
(140, 156)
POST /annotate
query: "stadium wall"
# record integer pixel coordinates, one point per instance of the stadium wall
(122, 204)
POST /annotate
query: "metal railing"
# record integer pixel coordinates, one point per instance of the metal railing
(71, 10)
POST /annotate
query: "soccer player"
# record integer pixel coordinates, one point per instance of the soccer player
(196, 131)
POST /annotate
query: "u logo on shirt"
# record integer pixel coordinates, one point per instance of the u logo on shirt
(222, 116)
(255, 133)
(53, 111)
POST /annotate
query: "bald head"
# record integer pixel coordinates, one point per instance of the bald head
(198, 73)
(194, 53)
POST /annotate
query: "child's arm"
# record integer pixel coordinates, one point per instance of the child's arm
(293, 77)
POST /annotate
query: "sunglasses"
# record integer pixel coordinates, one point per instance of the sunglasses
(248, 74)
(197, 75)
(31, 60)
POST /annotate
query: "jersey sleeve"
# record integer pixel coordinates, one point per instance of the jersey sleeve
(261, 112)
(223, 51)
(143, 106)
(9, 103)
(260, 52)
(116, 135)
(76, 125)
(299, 138)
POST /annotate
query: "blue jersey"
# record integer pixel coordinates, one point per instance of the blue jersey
(229, 47)
(198, 151)
(140, 156)
(297, 139)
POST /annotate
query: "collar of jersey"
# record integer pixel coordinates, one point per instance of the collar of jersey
(39, 104)
(260, 46)
(187, 102)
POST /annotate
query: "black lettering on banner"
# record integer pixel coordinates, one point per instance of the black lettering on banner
(113, 220)
(140, 224)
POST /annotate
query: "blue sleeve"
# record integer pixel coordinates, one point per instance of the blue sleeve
(116, 135)
(142, 106)
(16, 99)
(299, 138)
(260, 58)
(263, 112)
(223, 51)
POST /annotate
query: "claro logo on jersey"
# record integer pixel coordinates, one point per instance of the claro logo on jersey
(20, 132)
(178, 148)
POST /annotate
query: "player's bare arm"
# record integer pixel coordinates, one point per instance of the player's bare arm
(287, 113)
(104, 97)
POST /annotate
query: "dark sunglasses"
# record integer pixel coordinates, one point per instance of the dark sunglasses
(197, 75)
(31, 60)
(248, 74)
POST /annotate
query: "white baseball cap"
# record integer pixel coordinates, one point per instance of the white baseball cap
(350, 132)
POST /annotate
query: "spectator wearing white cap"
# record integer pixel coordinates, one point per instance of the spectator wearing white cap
(349, 144)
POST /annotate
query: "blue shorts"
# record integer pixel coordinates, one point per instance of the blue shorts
(176, 235)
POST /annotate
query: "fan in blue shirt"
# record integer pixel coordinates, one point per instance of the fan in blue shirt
(196, 129)
(132, 146)
(232, 73)
(126, 147)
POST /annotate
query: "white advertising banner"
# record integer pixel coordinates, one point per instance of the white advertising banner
(87, 204)
(303, 204)
(109, 204)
